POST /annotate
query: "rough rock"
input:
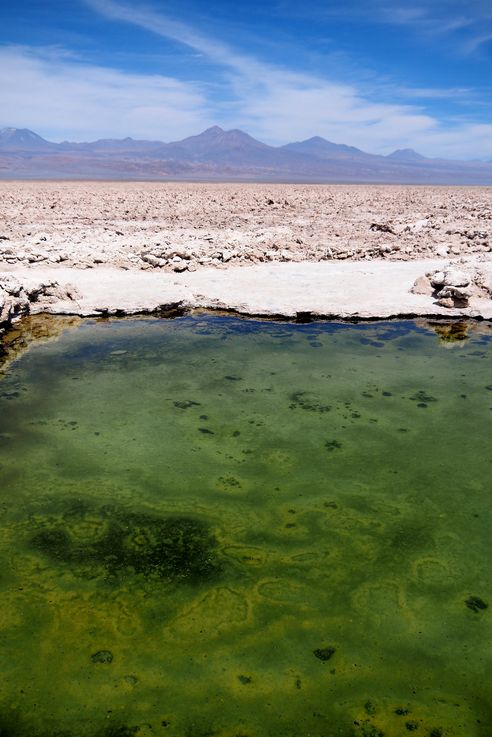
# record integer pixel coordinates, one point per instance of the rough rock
(382, 228)
(14, 301)
(422, 285)
(450, 277)
(455, 278)
(51, 292)
(452, 286)
(442, 251)
(483, 280)
(457, 293)
(16, 298)
(436, 279)
(446, 302)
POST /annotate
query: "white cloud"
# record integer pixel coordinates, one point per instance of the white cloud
(463, 140)
(55, 94)
(285, 108)
(166, 27)
(280, 105)
(476, 41)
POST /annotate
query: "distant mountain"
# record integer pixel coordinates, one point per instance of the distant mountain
(217, 154)
(324, 149)
(22, 139)
(406, 154)
(217, 145)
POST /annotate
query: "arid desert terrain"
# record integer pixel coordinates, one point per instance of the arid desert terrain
(272, 249)
(186, 226)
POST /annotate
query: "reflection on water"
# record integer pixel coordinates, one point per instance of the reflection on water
(223, 528)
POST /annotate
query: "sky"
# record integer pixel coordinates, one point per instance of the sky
(376, 74)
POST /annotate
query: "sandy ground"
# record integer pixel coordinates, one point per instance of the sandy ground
(341, 251)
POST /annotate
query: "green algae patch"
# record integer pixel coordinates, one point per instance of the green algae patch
(215, 527)
(123, 544)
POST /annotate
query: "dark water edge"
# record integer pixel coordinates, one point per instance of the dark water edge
(222, 527)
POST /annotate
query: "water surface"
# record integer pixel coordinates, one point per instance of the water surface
(214, 527)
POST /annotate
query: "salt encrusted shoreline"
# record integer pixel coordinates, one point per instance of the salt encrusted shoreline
(260, 250)
(347, 290)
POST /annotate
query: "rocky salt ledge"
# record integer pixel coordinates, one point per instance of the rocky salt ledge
(347, 290)
(262, 250)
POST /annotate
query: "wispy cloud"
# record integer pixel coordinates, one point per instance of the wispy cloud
(53, 91)
(476, 41)
(159, 23)
(279, 104)
(462, 28)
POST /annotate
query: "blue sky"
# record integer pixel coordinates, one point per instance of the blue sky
(377, 74)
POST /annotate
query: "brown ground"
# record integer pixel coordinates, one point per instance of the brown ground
(174, 226)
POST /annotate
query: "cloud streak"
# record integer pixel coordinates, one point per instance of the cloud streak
(55, 93)
(169, 28)
(279, 105)
(462, 28)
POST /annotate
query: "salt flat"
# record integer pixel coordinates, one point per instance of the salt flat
(331, 250)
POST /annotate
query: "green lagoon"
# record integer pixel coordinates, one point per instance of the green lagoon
(215, 527)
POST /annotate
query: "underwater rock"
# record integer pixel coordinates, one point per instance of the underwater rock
(228, 483)
(332, 445)
(422, 398)
(120, 730)
(309, 402)
(186, 404)
(102, 656)
(324, 653)
(476, 604)
(367, 729)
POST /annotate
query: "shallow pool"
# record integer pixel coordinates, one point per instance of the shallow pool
(214, 527)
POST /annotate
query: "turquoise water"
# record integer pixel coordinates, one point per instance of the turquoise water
(215, 527)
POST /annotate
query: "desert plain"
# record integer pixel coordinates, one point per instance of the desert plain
(278, 250)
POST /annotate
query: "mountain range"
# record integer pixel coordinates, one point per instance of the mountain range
(221, 155)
